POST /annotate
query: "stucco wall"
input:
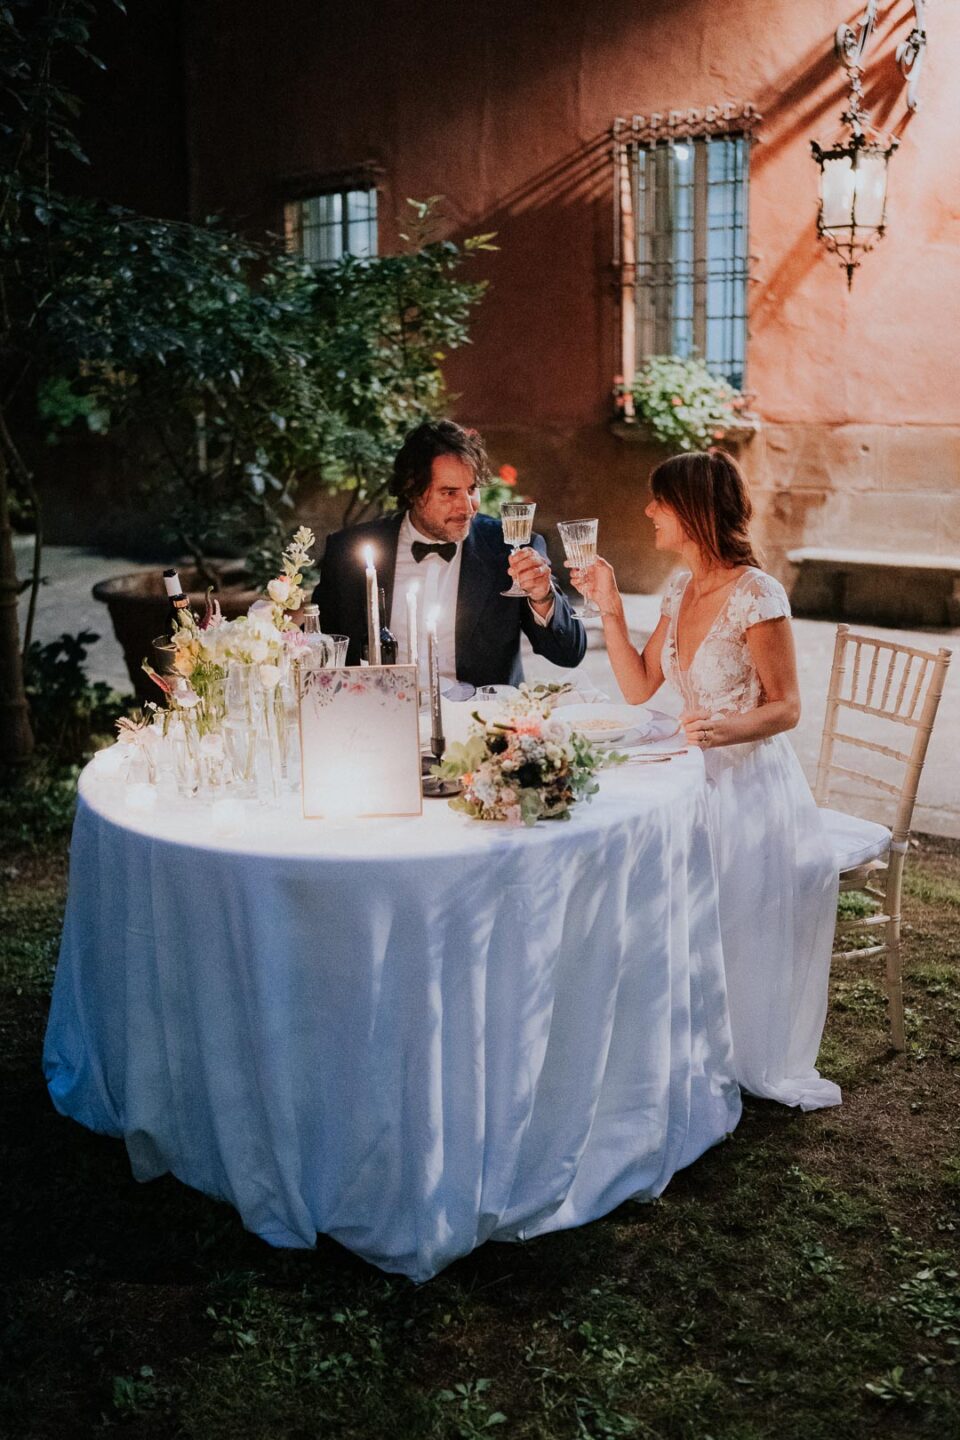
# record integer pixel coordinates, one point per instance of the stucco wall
(505, 109)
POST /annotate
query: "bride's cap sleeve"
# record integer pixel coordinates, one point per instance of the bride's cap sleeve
(671, 595)
(764, 598)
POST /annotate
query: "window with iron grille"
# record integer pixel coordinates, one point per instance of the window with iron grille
(689, 203)
(323, 228)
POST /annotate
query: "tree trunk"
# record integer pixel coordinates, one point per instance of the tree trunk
(16, 736)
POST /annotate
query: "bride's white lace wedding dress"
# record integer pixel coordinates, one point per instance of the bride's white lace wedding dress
(778, 881)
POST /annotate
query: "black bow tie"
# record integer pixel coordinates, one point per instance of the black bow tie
(445, 551)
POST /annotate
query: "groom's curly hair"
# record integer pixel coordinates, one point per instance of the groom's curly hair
(412, 469)
(709, 496)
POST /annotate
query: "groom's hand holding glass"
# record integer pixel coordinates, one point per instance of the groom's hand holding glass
(531, 571)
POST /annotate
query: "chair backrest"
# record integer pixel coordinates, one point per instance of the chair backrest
(892, 682)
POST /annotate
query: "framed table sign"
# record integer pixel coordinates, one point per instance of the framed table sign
(360, 742)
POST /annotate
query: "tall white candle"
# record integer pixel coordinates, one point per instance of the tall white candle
(433, 655)
(413, 638)
(373, 609)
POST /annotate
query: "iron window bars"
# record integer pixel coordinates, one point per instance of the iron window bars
(325, 227)
(682, 237)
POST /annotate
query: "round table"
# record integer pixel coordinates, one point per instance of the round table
(413, 1035)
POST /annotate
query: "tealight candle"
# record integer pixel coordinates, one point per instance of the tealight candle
(436, 718)
(373, 608)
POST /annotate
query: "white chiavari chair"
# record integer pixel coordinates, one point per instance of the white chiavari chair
(876, 684)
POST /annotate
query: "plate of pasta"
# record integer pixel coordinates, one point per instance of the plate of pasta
(626, 725)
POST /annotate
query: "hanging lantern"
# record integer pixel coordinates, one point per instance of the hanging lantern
(853, 171)
(853, 195)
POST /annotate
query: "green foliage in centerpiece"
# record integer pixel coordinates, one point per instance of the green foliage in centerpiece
(524, 764)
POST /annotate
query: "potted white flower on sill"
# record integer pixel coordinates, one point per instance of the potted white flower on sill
(681, 405)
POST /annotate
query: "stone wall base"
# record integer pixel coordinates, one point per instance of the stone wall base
(876, 487)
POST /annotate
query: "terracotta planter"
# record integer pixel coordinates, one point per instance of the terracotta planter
(139, 611)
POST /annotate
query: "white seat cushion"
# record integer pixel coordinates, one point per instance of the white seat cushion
(855, 841)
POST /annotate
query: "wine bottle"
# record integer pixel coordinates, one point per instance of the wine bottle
(321, 647)
(177, 601)
(389, 649)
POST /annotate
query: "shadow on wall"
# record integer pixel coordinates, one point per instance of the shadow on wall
(553, 279)
(806, 104)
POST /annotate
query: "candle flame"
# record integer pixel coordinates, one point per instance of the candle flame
(368, 556)
(433, 618)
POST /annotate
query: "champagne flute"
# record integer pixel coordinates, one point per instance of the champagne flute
(517, 518)
(580, 547)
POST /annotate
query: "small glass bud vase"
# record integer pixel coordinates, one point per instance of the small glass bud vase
(268, 762)
(243, 700)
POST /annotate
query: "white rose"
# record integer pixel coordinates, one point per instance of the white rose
(279, 590)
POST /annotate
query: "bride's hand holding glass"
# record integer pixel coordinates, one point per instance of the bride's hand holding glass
(599, 584)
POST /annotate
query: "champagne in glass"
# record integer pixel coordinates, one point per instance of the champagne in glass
(580, 547)
(517, 519)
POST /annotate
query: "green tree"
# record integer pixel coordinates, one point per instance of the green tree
(228, 369)
(36, 132)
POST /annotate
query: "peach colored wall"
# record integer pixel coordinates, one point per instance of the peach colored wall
(506, 108)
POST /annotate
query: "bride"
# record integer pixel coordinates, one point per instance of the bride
(724, 642)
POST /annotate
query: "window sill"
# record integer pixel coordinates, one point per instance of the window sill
(638, 432)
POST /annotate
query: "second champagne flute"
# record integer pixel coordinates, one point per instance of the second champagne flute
(580, 547)
(517, 518)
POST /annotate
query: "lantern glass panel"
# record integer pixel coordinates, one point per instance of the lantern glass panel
(837, 189)
(871, 189)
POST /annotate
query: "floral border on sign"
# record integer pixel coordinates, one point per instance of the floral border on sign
(325, 685)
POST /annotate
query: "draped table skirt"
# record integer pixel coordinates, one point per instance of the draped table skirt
(411, 1035)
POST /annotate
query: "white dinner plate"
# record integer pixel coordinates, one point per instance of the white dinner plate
(631, 724)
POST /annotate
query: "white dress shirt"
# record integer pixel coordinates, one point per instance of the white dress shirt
(439, 582)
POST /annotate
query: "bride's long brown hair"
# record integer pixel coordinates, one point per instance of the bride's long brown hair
(709, 496)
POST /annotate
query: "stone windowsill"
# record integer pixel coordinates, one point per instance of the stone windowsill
(638, 432)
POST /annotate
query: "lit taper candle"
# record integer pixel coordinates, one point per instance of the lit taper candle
(413, 638)
(373, 609)
(436, 718)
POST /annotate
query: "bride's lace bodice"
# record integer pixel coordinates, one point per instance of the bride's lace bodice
(721, 676)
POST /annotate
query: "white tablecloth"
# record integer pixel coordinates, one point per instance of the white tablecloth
(411, 1035)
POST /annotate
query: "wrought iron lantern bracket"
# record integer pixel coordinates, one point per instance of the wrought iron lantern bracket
(853, 170)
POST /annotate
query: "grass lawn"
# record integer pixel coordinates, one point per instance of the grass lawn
(799, 1282)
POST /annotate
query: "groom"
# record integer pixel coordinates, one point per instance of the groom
(460, 562)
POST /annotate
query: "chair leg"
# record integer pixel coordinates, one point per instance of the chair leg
(895, 990)
(893, 957)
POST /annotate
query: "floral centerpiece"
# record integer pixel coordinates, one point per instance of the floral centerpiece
(202, 648)
(231, 688)
(523, 763)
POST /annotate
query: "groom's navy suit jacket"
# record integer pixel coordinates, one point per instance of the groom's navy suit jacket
(488, 625)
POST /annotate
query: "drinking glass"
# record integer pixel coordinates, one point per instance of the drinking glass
(580, 547)
(517, 518)
(340, 645)
(242, 701)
